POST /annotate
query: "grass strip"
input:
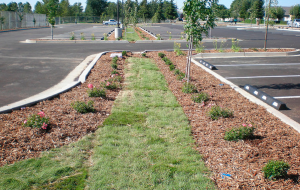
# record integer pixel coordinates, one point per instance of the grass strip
(150, 148)
(131, 35)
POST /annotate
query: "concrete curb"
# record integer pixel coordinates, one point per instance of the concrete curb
(247, 54)
(28, 41)
(71, 81)
(270, 109)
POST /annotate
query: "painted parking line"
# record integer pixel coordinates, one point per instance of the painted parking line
(265, 64)
(286, 97)
(254, 77)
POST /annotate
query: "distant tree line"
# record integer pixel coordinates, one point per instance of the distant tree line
(155, 9)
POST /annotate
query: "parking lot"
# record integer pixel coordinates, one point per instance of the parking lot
(277, 76)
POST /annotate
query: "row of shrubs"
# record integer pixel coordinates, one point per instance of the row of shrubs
(274, 169)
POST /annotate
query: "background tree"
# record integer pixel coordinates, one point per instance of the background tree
(12, 6)
(95, 7)
(41, 7)
(222, 12)
(3, 7)
(196, 11)
(143, 10)
(27, 8)
(277, 13)
(170, 10)
(295, 11)
(258, 8)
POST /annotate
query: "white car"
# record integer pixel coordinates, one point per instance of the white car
(111, 22)
(294, 23)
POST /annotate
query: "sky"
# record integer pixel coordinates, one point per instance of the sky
(179, 3)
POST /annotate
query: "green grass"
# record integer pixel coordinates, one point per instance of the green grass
(131, 35)
(145, 143)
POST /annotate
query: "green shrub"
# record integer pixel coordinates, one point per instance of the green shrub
(161, 55)
(201, 97)
(110, 85)
(168, 62)
(96, 92)
(37, 121)
(143, 54)
(171, 67)
(115, 59)
(116, 78)
(114, 66)
(124, 53)
(216, 112)
(189, 88)
(177, 72)
(180, 76)
(82, 107)
(275, 169)
(177, 49)
(240, 133)
(115, 72)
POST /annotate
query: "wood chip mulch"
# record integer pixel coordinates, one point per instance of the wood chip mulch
(242, 160)
(66, 125)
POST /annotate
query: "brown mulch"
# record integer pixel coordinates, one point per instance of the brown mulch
(243, 160)
(66, 125)
(144, 34)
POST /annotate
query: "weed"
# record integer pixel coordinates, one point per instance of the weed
(222, 46)
(72, 37)
(275, 169)
(182, 35)
(215, 44)
(240, 133)
(105, 36)
(254, 49)
(93, 36)
(82, 36)
(96, 92)
(158, 37)
(200, 48)
(235, 45)
(82, 107)
(170, 36)
(124, 53)
(201, 97)
(161, 55)
(189, 88)
(177, 49)
(216, 112)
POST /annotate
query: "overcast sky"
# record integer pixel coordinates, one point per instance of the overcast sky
(178, 2)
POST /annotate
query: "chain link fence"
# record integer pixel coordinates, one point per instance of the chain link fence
(14, 20)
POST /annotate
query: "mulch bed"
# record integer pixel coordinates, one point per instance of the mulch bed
(243, 160)
(66, 125)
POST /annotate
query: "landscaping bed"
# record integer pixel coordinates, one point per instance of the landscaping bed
(235, 165)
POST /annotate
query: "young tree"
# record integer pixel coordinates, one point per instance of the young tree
(196, 11)
(52, 6)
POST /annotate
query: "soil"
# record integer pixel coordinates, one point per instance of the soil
(242, 160)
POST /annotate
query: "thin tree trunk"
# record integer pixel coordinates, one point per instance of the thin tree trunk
(188, 65)
(266, 35)
(51, 31)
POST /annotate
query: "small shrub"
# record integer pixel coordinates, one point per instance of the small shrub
(158, 37)
(275, 169)
(164, 59)
(82, 107)
(114, 66)
(115, 59)
(161, 55)
(116, 78)
(168, 62)
(200, 48)
(180, 76)
(82, 36)
(146, 38)
(189, 88)
(105, 36)
(110, 85)
(115, 72)
(37, 121)
(235, 45)
(216, 112)
(96, 92)
(202, 97)
(171, 67)
(124, 53)
(177, 72)
(143, 54)
(240, 133)
(93, 36)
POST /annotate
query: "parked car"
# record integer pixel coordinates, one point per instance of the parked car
(111, 22)
(294, 23)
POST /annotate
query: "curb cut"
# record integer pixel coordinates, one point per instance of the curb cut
(253, 99)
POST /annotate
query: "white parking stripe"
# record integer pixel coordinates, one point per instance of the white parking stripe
(253, 77)
(286, 97)
(247, 65)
